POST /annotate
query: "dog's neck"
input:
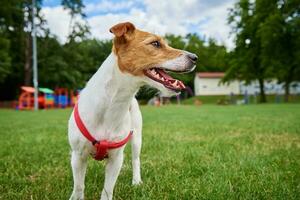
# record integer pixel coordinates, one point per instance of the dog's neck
(106, 99)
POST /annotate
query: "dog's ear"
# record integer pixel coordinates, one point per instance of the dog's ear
(122, 29)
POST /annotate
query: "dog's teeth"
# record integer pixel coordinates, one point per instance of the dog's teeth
(176, 83)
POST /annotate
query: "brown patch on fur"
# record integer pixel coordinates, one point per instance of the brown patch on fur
(135, 51)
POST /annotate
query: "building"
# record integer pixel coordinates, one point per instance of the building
(209, 83)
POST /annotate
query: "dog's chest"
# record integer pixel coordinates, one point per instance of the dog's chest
(112, 127)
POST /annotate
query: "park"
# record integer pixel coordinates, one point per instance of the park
(216, 152)
(217, 84)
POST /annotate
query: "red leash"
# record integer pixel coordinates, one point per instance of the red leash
(101, 146)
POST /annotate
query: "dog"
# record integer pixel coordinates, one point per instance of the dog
(107, 108)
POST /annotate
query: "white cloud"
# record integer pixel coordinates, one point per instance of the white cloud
(207, 17)
(101, 24)
(217, 26)
(107, 6)
(58, 21)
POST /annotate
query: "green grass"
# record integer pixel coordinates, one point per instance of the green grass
(206, 152)
(214, 99)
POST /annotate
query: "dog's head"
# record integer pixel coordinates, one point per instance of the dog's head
(148, 56)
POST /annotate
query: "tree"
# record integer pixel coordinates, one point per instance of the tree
(280, 36)
(15, 33)
(267, 42)
(72, 64)
(215, 57)
(12, 43)
(245, 19)
(5, 59)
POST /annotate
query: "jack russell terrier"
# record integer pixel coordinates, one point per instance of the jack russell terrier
(107, 114)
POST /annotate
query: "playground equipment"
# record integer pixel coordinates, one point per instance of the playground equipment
(26, 101)
(61, 97)
(46, 97)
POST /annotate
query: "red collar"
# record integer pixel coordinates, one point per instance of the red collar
(101, 146)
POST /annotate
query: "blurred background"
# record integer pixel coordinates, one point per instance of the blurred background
(249, 51)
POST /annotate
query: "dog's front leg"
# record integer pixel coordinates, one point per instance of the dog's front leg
(79, 164)
(136, 144)
(112, 170)
(136, 141)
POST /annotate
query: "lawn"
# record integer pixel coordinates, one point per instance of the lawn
(207, 152)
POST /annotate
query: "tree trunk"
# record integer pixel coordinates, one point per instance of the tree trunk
(28, 61)
(286, 91)
(262, 91)
(288, 80)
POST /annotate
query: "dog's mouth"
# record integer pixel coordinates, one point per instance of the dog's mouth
(160, 75)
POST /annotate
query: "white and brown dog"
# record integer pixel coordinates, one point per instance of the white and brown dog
(107, 105)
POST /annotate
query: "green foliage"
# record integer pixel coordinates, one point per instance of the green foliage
(246, 63)
(267, 42)
(189, 152)
(72, 64)
(16, 48)
(12, 45)
(279, 35)
(5, 59)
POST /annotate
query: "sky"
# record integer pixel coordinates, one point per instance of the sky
(207, 18)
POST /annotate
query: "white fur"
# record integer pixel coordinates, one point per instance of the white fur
(178, 64)
(104, 108)
(109, 111)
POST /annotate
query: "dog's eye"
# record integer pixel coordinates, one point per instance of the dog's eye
(156, 44)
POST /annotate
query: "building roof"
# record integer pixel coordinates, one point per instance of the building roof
(31, 90)
(46, 90)
(28, 89)
(210, 74)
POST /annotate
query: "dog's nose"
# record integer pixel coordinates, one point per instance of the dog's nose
(192, 57)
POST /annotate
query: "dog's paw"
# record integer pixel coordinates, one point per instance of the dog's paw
(77, 196)
(137, 181)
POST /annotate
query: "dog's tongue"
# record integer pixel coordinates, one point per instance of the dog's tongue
(170, 79)
(164, 74)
